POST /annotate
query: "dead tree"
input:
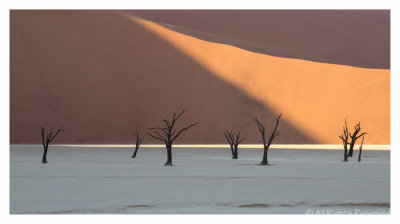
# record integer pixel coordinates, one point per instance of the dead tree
(138, 143)
(359, 152)
(233, 142)
(46, 141)
(345, 138)
(354, 138)
(271, 138)
(168, 134)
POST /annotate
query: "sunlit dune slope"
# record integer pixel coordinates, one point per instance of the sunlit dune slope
(102, 74)
(315, 97)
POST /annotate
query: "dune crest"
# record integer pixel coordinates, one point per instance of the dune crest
(359, 38)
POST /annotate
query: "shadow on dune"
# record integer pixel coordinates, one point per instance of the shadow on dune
(100, 76)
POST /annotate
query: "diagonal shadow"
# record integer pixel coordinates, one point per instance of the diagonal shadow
(107, 76)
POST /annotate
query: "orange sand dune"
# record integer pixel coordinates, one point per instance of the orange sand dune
(101, 74)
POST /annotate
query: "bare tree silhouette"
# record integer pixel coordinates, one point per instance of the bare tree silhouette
(233, 142)
(271, 138)
(138, 143)
(354, 138)
(359, 152)
(345, 138)
(168, 134)
(46, 141)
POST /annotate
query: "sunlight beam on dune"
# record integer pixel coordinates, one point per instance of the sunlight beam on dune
(314, 97)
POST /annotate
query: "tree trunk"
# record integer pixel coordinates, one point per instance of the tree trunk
(134, 154)
(359, 154)
(233, 152)
(169, 159)
(265, 156)
(44, 159)
(345, 153)
(234, 155)
(350, 154)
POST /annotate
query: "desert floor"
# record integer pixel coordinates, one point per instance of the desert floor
(203, 181)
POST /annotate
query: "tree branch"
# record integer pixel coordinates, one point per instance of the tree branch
(241, 140)
(227, 136)
(259, 125)
(58, 131)
(157, 138)
(43, 137)
(164, 130)
(182, 130)
(175, 118)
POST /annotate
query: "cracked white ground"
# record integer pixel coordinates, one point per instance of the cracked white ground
(202, 181)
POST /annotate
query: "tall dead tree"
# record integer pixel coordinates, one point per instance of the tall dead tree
(46, 141)
(345, 138)
(233, 142)
(271, 138)
(359, 152)
(168, 134)
(354, 138)
(138, 143)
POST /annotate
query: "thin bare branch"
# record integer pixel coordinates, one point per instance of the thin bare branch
(43, 141)
(159, 135)
(364, 133)
(157, 138)
(259, 125)
(138, 139)
(175, 118)
(277, 123)
(141, 140)
(237, 139)
(228, 137)
(58, 132)
(166, 123)
(164, 130)
(182, 130)
(241, 140)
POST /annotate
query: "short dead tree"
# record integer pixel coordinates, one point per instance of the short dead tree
(354, 138)
(271, 138)
(168, 134)
(46, 141)
(345, 138)
(360, 151)
(233, 142)
(138, 143)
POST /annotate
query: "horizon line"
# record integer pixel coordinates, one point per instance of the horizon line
(252, 146)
